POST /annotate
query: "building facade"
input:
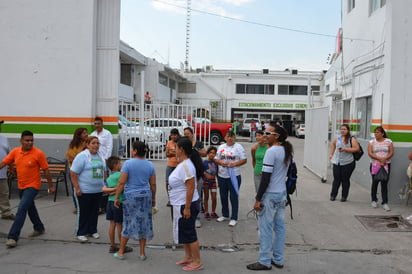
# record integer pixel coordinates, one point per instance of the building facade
(369, 83)
(234, 95)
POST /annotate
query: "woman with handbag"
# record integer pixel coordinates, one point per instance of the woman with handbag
(380, 150)
(341, 156)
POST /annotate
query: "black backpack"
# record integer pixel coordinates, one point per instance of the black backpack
(291, 180)
(356, 155)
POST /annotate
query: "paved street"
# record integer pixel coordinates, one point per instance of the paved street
(323, 237)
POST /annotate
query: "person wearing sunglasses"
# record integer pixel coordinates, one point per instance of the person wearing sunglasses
(271, 199)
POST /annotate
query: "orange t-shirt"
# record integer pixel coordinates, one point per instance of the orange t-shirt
(171, 161)
(28, 165)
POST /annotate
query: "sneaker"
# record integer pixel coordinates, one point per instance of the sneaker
(221, 219)
(36, 233)
(96, 235)
(214, 215)
(82, 238)
(9, 217)
(258, 266)
(11, 243)
(332, 198)
(374, 204)
(232, 223)
(207, 215)
(386, 207)
(198, 223)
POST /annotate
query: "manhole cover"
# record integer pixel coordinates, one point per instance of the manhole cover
(385, 223)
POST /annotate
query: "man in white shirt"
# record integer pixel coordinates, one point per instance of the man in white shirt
(105, 149)
(105, 138)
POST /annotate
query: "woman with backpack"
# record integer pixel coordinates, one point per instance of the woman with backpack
(271, 199)
(341, 156)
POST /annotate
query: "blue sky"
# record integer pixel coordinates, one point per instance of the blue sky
(157, 29)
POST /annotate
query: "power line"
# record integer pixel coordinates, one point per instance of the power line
(263, 24)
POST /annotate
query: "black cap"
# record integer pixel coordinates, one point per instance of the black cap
(1, 122)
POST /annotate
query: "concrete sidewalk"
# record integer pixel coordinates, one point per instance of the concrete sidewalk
(323, 237)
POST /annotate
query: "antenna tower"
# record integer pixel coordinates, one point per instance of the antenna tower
(188, 11)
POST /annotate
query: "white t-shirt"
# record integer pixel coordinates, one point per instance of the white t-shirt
(106, 142)
(230, 154)
(177, 183)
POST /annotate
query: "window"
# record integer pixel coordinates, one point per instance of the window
(315, 90)
(255, 89)
(283, 90)
(364, 112)
(375, 4)
(240, 88)
(292, 90)
(163, 79)
(351, 5)
(172, 84)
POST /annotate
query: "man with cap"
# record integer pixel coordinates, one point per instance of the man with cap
(4, 187)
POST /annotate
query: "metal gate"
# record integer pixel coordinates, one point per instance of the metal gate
(151, 123)
(316, 141)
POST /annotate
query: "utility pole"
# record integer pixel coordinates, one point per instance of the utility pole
(188, 11)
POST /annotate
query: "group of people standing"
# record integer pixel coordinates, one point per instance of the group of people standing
(380, 151)
(190, 181)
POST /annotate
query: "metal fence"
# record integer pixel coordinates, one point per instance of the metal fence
(152, 122)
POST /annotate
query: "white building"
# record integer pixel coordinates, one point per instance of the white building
(63, 64)
(370, 80)
(264, 95)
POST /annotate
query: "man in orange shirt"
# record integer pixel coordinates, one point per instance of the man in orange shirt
(28, 161)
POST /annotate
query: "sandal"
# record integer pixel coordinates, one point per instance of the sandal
(118, 257)
(113, 249)
(142, 257)
(191, 267)
(183, 262)
(128, 249)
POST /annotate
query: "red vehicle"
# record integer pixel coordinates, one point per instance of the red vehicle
(203, 126)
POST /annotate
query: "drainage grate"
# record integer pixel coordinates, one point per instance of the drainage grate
(385, 223)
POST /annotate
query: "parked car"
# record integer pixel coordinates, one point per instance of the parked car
(245, 129)
(130, 132)
(300, 131)
(215, 132)
(166, 124)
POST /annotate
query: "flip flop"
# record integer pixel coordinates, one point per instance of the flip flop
(128, 249)
(118, 257)
(192, 268)
(183, 262)
(142, 258)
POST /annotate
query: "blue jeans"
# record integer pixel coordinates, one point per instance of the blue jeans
(26, 206)
(272, 220)
(226, 190)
